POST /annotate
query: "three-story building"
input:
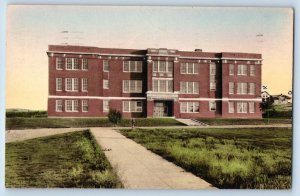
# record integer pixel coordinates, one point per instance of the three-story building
(88, 81)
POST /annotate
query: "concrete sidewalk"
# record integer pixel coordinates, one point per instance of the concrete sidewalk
(139, 168)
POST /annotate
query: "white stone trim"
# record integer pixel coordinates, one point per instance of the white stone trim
(95, 97)
(190, 57)
(94, 53)
(241, 59)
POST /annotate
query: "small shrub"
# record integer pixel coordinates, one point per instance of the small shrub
(114, 116)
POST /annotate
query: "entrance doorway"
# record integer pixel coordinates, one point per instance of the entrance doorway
(163, 108)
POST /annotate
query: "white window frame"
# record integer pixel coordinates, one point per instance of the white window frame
(105, 66)
(212, 106)
(252, 88)
(84, 64)
(212, 83)
(84, 85)
(242, 70)
(159, 89)
(230, 107)
(59, 84)
(243, 106)
(231, 88)
(231, 69)
(105, 84)
(242, 88)
(138, 86)
(251, 107)
(74, 84)
(84, 104)
(159, 64)
(137, 109)
(185, 106)
(138, 66)
(105, 106)
(184, 68)
(74, 105)
(59, 63)
(59, 105)
(72, 63)
(186, 84)
(212, 69)
(252, 70)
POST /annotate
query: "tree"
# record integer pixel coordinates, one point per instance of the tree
(114, 116)
(267, 105)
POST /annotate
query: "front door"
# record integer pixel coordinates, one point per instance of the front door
(162, 108)
(159, 109)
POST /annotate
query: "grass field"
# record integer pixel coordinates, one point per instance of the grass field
(234, 121)
(34, 123)
(64, 160)
(227, 158)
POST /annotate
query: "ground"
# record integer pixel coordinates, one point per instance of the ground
(257, 158)
(63, 160)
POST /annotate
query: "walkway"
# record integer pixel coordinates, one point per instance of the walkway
(139, 168)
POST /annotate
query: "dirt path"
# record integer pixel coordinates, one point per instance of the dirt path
(18, 135)
(139, 168)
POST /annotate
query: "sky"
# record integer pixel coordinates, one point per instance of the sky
(30, 29)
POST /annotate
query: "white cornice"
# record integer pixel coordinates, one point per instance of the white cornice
(93, 97)
(93, 53)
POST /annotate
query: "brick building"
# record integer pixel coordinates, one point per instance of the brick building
(87, 81)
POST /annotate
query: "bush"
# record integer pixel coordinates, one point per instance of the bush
(114, 116)
(27, 114)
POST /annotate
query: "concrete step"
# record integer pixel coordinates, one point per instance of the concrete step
(191, 122)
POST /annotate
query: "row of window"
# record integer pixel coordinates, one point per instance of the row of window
(137, 106)
(242, 70)
(71, 63)
(242, 88)
(73, 106)
(71, 84)
(158, 66)
(241, 107)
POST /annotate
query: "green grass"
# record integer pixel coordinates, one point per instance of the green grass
(64, 160)
(227, 158)
(34, 123)
(234, 121)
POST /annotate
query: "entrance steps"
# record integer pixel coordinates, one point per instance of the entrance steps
(191, 122)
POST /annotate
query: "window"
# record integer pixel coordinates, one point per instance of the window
(231, 88)
(212, 83)
(84, 85)
(212, 69)
(105, 66)
(84, 64)
(72, 64)
(105, 105)
(251, 107)
(132, 86)
(84, 105)
(105, 84)
(242, 70)
(163, 66)
(58, 106)
(241, 88)
(252, 88)
(189, 68)
(231, 69)
(252, 70)
(189, 107)
(59, 63)
(132, 106)
(71, 84)
(71, 105)
(133, 66)
(162, 85)
(230, 107)
(241, 107)
(189, 87)
(212, 106)
(58, 84)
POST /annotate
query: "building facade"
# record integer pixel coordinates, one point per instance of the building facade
(88, 81)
